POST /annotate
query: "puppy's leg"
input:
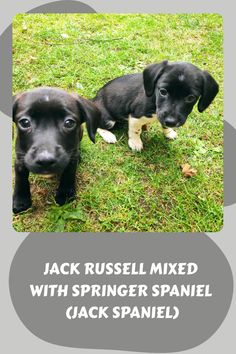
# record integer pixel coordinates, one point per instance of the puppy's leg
(104, 132)
(149, 122)
(170, 133)
(67, 188)
(21, 196)
(135, 129)
(109, 137)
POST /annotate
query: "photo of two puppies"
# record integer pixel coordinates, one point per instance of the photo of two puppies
(49, 120)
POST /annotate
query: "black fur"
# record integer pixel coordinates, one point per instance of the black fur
(169, 90)
(48, 122)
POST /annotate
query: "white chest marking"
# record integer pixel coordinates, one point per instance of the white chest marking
(144, 120)
(46, 98)
(181, 77)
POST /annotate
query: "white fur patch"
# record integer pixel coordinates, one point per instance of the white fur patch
(110, 124)
(46, 98)
(145, 120)
(170, 133)
(135, 144)
(135, 129)
(107, 136)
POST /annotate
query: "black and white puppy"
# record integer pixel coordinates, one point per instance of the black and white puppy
(48, 122)
(167, 91)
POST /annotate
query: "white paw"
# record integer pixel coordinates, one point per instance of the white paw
(107, 136)
(170, 133)
(135, 144)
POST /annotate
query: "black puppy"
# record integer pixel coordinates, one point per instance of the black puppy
(49, 129)
(167, 91)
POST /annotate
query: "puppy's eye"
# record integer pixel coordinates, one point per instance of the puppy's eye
(163, 92)
(24, 123)
(190, 98)
(69, 123)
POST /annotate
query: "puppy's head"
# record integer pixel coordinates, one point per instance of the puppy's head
(177, 87)
(48, 124)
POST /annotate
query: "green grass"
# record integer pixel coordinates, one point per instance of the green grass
(117, 189)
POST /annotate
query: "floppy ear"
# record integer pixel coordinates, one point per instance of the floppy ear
(151, 74)
(210, 89)
(90, 115)
(15, 99)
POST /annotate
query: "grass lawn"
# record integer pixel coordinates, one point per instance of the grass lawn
(117, 189)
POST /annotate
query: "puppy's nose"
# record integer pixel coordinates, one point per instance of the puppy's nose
(45, 159)
(170, 122)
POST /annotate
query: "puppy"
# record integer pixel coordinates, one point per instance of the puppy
(167, 91)
(48, 122)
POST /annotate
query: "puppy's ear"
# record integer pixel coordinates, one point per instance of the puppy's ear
(210, 89)
(15, 100)
(151, 74)
(90, 115)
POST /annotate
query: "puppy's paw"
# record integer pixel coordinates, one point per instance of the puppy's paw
(65, 195)
(107, 136)
(21, 204)
(170, 133)
(135, 144)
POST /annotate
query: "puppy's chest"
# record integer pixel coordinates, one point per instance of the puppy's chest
(147, 120)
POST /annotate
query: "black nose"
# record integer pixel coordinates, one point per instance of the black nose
(45, 159)
(170, 122)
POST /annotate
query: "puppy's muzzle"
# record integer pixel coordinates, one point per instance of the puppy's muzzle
(44, 160)
(171, 122)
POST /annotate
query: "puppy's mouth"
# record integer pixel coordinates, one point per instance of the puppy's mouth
(57, 169)
(166, 125)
